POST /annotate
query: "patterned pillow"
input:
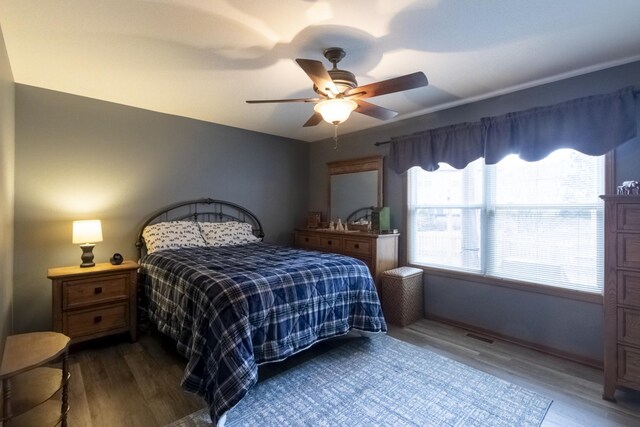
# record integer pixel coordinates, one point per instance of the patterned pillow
(227, 233)
(171, 235)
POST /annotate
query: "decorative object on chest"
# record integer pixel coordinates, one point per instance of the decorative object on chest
(94, 302)
(621, 294)
(629, 188)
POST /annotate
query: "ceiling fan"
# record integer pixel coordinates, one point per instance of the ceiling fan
(339, 93)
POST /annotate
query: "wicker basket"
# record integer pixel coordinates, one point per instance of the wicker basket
(402, 295)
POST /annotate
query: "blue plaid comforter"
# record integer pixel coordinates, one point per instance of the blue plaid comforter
(232, 308)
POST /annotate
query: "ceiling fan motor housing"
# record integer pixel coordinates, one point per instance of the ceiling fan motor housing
(343, 79)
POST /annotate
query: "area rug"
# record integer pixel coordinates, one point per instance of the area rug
(382, 381)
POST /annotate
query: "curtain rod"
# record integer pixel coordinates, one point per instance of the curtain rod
(382, 143)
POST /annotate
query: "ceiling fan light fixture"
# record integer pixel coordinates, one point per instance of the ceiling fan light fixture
(335, 111)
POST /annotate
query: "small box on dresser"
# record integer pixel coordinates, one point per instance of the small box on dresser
(94, 302)
(621, 294)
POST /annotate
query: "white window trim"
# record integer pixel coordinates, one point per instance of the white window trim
(479, 277)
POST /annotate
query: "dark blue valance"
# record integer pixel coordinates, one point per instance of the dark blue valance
(592, 125)
(459, 144)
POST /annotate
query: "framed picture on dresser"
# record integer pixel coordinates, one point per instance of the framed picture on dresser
(313, 219)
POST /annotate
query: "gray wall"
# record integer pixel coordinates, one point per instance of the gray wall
(7, 167)
(570, 326)
(80, 158)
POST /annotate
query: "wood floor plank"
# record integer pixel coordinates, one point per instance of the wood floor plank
(80, 415)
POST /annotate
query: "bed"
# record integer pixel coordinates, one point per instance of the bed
(232, 302)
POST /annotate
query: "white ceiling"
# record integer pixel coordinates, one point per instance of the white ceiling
(204, 58)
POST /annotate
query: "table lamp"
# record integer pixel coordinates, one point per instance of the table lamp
(86, 233)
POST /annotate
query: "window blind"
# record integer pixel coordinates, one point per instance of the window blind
(538, 222)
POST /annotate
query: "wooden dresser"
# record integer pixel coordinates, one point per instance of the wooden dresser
(621, 294)
(95, 301)
(378, 251)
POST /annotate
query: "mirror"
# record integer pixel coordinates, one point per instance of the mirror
(354, 184)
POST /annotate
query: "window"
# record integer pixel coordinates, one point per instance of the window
(539, 222)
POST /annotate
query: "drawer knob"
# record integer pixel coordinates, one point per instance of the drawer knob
(97, 319)
(306, 239)
(328, 242)
(357, 246)
(97, 290)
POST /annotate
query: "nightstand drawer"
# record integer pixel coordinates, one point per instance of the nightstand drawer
(82, 292)
(357, 246)
(330, 243)
(88, 322)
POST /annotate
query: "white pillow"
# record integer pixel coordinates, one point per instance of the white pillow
(227, 233)
(171, 235)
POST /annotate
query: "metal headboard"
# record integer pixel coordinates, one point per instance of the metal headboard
(358, 214)
(202, 210)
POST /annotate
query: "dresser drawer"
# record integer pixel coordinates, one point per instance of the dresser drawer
(89, 322)
(629, 288)
(331, 244)
(82, 292)
(357, 246)
(629, 364)
(304, 240)
(628, 217)
(628, 250)
(629, 326)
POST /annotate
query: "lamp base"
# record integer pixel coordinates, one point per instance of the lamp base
(87, 255)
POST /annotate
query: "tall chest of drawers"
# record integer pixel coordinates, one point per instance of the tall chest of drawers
(621, 294)
(378, 251)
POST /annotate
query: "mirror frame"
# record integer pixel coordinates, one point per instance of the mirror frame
(363, 164)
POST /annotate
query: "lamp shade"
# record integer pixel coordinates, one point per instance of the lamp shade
(87, 231)
(335, 111)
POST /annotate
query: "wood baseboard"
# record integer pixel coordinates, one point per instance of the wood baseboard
(594, 363)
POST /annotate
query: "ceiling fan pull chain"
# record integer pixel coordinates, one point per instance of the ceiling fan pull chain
(335, 136)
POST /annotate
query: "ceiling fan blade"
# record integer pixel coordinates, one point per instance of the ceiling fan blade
(313, 120)
(266, 101)
(375, 111)
(397, 84)
(319, 75)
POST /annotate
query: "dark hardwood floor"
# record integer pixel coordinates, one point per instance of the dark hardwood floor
(117, 383)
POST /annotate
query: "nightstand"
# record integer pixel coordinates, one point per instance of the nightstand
(94, 302)
(30, 389)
